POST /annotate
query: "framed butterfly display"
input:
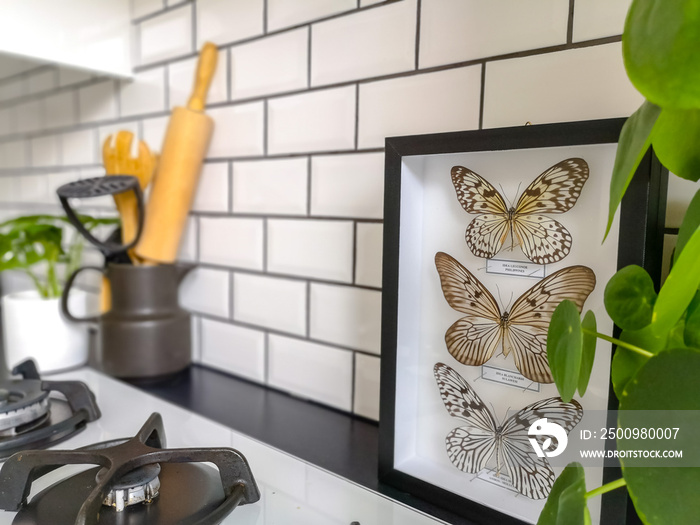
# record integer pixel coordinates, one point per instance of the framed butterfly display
(485, 233)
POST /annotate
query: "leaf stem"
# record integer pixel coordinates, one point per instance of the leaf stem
(606, 488)
(617, 342)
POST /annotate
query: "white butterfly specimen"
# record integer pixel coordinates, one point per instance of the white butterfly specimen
(470, 447)
(473, 339)
(543, 240)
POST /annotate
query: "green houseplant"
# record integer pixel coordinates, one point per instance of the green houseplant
(656, 364)
(36, 245)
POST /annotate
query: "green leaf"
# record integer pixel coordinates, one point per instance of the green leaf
(629, 298)
(635, 139)
(676, 336)
(566, 503)
(691, 332)
(588, 350)
(646, 339)
(675, 138)
(679, 289)
(659, 46)
(690, 224)
(668, 382)
(625, 364)
(564, 347)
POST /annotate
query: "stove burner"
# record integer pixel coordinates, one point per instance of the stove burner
(190, 493)
(31, 418)
(140, 485)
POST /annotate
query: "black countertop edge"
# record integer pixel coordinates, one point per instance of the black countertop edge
(336, 441)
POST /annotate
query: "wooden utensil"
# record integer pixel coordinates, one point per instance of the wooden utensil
(117, 160)
(184, 147)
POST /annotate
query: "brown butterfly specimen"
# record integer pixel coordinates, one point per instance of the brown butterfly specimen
(473, 339)
(543, 240)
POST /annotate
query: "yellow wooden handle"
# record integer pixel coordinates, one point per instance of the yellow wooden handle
(206, 66)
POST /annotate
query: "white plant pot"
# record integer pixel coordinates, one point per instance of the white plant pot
(34, 328)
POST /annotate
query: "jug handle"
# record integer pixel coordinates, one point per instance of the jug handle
(66, 291)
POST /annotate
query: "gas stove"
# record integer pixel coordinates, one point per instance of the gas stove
(35, 413)
(147, 492)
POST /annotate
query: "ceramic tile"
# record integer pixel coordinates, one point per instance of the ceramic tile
(78, 147)
(141, 8)
(195, 331)
(270, 65)
(11, 89)
(366, 44)
(45, 150)
(98, 102)
(9, 192)
(167, 35)
(366, 402)
(310, 370)
(181, 78)
(223, 21)
(56, 180)
(348, 185)
(318, 121)
(272, 302)
(577, 84)
(277, 186)
(43, 81)
(368, 254)
(459, 30)
(61, 110)
(680, 193)
(346, 316)
(212, 188)
(8, 121)
(13, 154)
(154, 132)
(206, 291)
(145, 93)
(33, 188)
(282, 13)
(238, 130)
(188, 244)
(68, 76)
(599, 18)
(400, 106)
(234, 349)
(232, 242)
(310, 248)
(30, 116)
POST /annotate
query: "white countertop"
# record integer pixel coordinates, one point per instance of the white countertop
(293, 492)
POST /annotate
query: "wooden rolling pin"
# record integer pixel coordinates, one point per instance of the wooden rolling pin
(184, 147)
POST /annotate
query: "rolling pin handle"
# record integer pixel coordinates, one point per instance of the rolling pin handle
(205, 71)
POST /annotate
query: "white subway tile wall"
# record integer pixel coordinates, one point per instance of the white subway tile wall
(286, 226)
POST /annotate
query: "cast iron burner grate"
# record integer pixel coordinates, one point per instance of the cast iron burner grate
(138, 482)
(30, 417)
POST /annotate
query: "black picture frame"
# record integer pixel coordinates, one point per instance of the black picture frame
(642, 217)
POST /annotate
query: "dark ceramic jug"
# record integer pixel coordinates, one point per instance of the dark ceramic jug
(145, 335)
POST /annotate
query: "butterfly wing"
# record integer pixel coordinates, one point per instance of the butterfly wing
(487, 232)
(542, 239)
(475, 194)
(556, 190)
(469, 448)
(528, 320)
(473, 339)
(530, 475)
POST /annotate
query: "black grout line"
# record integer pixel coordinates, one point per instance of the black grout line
(166, 87)
(230, 295)
(482, 96)
(264, 15)
(156, 14)
(418, 21)
(266, 128)
(353, 368)
(266, 358)
(281, 216)
(230, 187)
(264, 244)
(309, 32)
(570, 23)
(357, 117)
(197, 250)
(194, 27)
(229, 73)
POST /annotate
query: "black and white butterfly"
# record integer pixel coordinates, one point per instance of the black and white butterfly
(543, 240)
(471, 447)
(473, 339)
